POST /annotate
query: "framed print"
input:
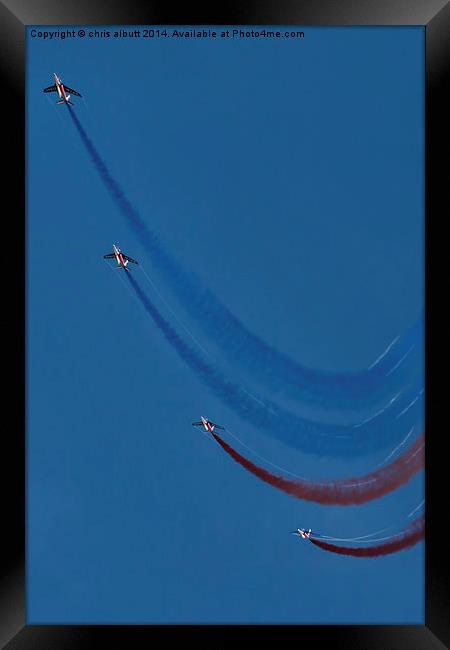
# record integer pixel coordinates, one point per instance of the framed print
(231, 278)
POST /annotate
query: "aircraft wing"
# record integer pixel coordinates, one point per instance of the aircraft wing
(72, 91)
(50, 89)
(217, 426)
(130, 259)
(197, 424)
(110, 256)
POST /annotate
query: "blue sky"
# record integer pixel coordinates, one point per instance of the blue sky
(289, 176)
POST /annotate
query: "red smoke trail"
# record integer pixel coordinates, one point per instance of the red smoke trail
(406, 538)
(344, 492)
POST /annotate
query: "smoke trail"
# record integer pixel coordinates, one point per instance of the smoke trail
(301, 434)
(362, 539)
(265, 364)
(408, 537)
(399, 446)
(369, 538)
(417, 508)
(344, 492)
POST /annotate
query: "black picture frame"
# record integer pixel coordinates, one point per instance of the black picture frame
(15, 16)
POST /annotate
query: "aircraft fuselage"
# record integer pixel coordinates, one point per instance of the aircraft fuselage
(119, 257)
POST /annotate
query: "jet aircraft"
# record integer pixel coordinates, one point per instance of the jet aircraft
(121, 259)
(62, 90)
(207, 425)
(301, 532)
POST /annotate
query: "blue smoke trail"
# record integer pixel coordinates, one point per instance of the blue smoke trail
(302, 434)
(266, 365)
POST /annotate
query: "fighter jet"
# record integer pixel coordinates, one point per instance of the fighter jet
(207, 425)
(121, 259)
(62, 90)
(301, 532)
